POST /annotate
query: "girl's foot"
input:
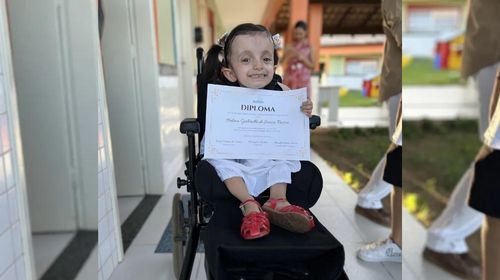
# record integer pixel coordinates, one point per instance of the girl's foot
(255, 223)
(290, 217)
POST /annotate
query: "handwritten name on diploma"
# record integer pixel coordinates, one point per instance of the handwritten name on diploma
(256, 121)
(244, 123)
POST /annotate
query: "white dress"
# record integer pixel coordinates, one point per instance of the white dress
(258, 174)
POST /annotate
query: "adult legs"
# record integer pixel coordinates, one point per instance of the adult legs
(491, 248)
(446, 246)
(375, 190)
(396, 215)
(389, 249)
(457, 221)
(370, 197)
(448, 232)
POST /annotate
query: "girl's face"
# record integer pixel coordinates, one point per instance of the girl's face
(299, 34)
(251, 60)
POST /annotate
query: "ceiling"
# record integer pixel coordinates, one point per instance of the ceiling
(341, 17)
(234, 12)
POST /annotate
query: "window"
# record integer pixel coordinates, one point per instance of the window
(361, 67)
(433, 19)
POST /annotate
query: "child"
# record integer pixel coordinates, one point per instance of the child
(247, 57)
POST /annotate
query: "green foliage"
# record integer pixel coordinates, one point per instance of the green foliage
(421, 71)
(414, 203)
(435, 156)
(439, 150)
(354, 98)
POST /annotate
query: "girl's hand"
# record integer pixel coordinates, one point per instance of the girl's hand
(307, 107)
(300, 57)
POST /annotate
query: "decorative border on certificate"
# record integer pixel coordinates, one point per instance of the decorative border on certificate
(243, 123)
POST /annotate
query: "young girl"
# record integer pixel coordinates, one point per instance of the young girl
(247, 57)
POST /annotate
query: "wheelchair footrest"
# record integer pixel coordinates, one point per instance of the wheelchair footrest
(320, 253)
(259, 271)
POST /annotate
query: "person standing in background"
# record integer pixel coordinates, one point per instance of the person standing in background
(446, 245)
(390, 249)
(370, 197)
(390, 173)
(299, 60)
(485, 190)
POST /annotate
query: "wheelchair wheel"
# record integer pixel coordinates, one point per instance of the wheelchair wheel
(178, 234)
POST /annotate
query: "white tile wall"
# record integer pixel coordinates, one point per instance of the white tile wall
(110, 249)
(13, 257)
(11, 253)
(172, 141)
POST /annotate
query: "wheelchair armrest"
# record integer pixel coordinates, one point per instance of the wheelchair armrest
(190, 125)
(314, 121)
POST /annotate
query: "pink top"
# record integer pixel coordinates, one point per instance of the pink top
(297, 75)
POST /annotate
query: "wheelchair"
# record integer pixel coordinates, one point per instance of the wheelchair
(211, 215)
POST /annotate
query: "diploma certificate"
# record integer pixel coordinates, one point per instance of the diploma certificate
(244, 123)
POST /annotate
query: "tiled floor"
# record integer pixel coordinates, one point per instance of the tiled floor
(127, 204)
(47, 247)
(89, 269)
(140, 261)
(415, 267)
(334, 209)
(343, 198)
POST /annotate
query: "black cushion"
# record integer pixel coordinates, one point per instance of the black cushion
(304, 190)
(317, 253)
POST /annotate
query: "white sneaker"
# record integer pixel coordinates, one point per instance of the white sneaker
(380, 251)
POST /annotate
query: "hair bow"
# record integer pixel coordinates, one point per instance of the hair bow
(277, 41)
(222, 40)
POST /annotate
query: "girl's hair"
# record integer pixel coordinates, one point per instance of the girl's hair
(213, 65)
(302, 24)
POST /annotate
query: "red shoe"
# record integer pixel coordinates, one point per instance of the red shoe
(292, 218)
(255, 224)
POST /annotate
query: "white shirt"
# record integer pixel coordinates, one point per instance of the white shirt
(492, 134)
(397, 136)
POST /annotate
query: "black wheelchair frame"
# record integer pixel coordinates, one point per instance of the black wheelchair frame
(188, 225)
